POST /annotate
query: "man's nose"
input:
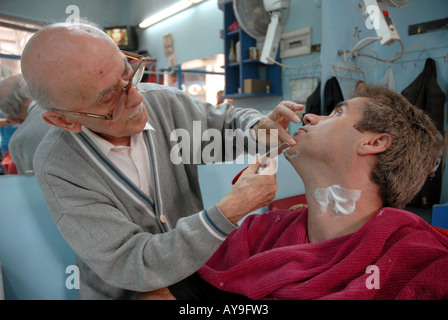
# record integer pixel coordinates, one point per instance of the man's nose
(134, 98)
(311, 119)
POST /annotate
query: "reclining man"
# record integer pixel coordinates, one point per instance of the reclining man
(134, 219)
(360, 165)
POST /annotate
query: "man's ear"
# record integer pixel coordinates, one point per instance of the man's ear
(374, 143)
(61, 121)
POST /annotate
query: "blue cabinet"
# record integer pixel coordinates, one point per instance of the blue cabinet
(245, 68)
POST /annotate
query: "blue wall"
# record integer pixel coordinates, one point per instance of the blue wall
(195, 32)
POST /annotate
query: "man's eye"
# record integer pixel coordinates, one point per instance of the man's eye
(338, 112)
(107, 98)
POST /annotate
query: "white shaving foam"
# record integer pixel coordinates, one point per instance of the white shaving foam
(344, 200)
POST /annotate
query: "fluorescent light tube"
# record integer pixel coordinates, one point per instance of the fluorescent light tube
(168, 12)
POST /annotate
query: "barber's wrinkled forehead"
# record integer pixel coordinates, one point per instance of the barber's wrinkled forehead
(126, 69)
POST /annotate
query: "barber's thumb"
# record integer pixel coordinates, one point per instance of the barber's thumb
(269, 166)
(253, 168)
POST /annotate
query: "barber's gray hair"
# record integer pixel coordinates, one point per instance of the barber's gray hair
(34, 87)
(14, 103)
(39, 93)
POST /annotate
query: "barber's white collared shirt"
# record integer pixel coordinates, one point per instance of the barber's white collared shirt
(133, 161)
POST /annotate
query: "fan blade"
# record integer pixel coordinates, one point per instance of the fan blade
(272, 40)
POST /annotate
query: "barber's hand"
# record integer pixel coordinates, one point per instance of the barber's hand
(252, 191)
(277, 121)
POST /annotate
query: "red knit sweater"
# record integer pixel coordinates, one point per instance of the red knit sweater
(395, 255)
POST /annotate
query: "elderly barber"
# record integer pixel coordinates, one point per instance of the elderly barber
(135, 220)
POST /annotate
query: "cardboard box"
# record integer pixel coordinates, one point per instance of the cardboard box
(256, 86)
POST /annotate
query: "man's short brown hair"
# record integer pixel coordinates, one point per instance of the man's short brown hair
(403, 168)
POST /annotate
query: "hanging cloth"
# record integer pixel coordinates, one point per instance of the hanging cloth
(313, 103)
(332, 95)
(425, 93)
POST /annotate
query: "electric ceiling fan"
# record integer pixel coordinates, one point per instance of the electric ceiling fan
(263, 19)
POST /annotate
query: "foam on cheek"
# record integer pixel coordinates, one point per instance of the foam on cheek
(343, 200)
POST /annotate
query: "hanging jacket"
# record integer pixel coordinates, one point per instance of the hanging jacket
(313, 103)
(332, 95)
(425, 93)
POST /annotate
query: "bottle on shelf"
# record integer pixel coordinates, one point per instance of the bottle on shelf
(232, 55)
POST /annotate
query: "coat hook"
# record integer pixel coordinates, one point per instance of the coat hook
(419, 30)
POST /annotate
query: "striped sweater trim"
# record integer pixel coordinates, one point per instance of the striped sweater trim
(115, 175)
(132, 191)
(212, 227)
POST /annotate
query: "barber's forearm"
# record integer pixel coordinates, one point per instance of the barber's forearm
(226, 116)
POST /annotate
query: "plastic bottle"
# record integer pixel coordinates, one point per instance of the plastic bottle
(232, 55)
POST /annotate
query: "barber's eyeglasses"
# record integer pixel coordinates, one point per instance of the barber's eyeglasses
(120, 101)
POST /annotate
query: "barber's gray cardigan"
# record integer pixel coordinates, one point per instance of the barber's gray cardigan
(121, 244)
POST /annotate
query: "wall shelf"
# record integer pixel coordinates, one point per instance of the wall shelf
(246, 68)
